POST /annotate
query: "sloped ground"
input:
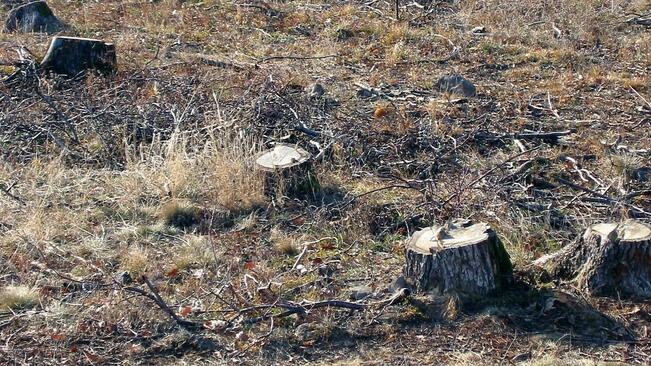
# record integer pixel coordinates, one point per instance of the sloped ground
(149, 173)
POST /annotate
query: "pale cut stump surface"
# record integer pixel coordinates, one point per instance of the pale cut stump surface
(608, 259)
(288, 171)
(463, 259)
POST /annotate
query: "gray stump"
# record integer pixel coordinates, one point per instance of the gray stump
(287, 171)
(71, 56)
(33, 17)
(608, 259)
(466, 260)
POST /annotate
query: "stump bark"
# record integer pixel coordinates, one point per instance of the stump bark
(33, 17)
(608, 259)
(287, 171)
(71, 56)
(462, 259)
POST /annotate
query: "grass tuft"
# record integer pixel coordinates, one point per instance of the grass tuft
(18, 297)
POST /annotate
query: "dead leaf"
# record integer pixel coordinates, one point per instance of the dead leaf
(380, 111)
(172, 272)
(185, 310)
(327, 245)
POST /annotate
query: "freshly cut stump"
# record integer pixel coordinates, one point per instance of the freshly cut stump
(461, 259)
(71, 56)
(608, 259)
(287, 171)
(33, 17)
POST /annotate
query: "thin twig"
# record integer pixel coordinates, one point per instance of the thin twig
(456, 194)
(7, 191)
(290, 57)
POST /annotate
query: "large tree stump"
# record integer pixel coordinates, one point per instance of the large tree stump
(607, 259)
(71, 56)
(287, 171)
(33, 17)
(461, 259)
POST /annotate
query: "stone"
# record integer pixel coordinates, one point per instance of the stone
(125, 278)
(316, 90)
(457, 84)
(399, 284)
(479, 30)
(367, 92)
(308, 331)
(360, 293)
(344, 34)
(33, 17)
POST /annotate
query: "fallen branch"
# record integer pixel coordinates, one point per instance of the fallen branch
(7, 191)
(643, 20)
(158, 300)
(600, 195)
(471, 184)
(290, 57)
(552, 135)
(305, 307)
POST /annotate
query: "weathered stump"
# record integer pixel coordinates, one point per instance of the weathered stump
(71, 56)
(607, 259)
(287, 171)
(461, 259)
(33, 17)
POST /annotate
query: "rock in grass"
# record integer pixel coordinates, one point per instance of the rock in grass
(71, 56)
(360, 293)
(344, 34)
(316, 90)
(33, 17)
(399, 284)
(479, 30)
(457, 84)
(124, 278)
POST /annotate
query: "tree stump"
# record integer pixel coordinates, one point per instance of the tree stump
(458, 258)
(608, 259)
(71, 56)
(33, 17)
(287, 171)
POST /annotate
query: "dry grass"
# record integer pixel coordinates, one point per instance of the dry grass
(18, 298)
(217, 171)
